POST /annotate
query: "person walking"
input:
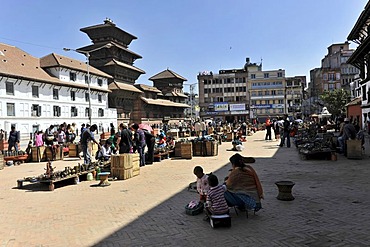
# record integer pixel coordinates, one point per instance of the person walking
(13, 140)
(88, 136)
(286, 132)
(268, 129)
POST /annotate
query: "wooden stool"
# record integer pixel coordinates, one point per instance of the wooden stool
(285, 190)
(104, 178)
(220, 220)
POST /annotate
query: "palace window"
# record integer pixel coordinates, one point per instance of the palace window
(35, 91)
(36, 110)
(9, 88)
(10, 108)
(74, 111)
(73, 95)
(55, 93)
(101, 112)
(56, 111)
(72, 76)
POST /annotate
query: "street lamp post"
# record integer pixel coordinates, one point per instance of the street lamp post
(87, 55)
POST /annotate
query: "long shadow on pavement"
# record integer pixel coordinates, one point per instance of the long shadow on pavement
(332, 207)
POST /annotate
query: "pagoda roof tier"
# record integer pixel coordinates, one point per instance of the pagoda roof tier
(96, 46)
(167, 74)
(108, 31)
(174, 94)
(125, 65)
(123, 86)
(164, 102)
(148, 88)
(359, 31)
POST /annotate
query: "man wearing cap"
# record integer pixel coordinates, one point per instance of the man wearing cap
(86, 137)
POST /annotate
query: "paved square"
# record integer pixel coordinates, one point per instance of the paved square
(332, 205)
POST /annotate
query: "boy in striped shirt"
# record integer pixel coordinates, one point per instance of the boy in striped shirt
(216, 203)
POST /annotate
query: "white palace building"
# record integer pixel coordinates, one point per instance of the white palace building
(38, 92)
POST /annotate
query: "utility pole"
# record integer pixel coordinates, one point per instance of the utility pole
(191, 101)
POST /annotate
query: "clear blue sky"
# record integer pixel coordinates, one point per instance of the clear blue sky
(189, 36)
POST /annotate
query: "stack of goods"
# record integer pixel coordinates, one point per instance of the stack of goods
(38, 154)
(1, 161)
(207, 146)
(122, 165)
(135, 164)
(73, 150)
(184, 149)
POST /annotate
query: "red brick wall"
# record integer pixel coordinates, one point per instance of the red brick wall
(354, 112)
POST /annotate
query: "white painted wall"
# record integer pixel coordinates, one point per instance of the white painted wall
(23, 100)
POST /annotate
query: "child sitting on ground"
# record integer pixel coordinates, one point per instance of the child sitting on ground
(202, 183)
(216, 203)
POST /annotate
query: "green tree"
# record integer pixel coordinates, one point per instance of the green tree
(335, 100)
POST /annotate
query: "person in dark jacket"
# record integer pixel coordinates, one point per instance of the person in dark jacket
(124, 141)
(13, 139)
(286, 132)
(139, 139)
(150, 143)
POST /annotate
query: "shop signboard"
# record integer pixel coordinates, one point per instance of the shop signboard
(237, 107)
(239, 112)
(278, 106)
(260, 106)
(222, 106)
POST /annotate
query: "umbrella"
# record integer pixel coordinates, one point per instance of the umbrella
(145, 127)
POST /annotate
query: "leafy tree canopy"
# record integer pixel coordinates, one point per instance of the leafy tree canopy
(335, 100)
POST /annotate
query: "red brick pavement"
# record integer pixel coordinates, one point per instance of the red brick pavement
(331, 206)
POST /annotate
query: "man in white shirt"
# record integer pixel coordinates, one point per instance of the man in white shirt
(105, 152)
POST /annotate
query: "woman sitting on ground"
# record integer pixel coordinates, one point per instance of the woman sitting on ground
(244, 188)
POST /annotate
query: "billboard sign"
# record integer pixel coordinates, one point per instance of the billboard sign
(222, 106)
(237, 107)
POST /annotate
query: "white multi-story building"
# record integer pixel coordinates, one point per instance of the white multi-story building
(35, 93)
